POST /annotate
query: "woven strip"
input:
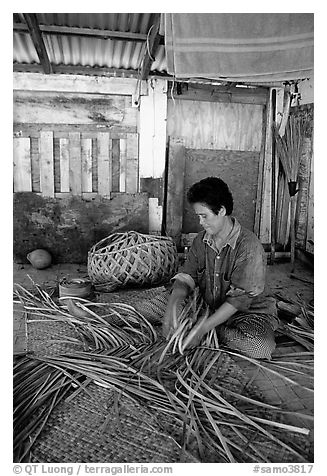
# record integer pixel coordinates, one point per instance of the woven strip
(131, 259)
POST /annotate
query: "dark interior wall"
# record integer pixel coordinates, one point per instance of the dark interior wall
(68, 227)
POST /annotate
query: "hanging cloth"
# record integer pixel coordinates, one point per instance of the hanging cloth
(239, 47)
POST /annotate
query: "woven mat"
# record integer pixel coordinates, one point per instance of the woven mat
(89, 430)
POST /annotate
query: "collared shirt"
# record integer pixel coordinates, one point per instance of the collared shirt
(233, 271)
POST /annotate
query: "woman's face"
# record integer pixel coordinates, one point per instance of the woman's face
(211, 222)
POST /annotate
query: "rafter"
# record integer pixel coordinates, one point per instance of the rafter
(88, 32)
(38, 42)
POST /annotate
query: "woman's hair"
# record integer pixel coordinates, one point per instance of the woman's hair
(213, 192)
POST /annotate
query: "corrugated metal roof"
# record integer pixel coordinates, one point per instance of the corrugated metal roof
(73, 50)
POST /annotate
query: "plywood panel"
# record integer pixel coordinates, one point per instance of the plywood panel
(237, 168)
(104, 164)
(86, 146)
(70, 108)
(210, 125)
(22, 165)
(46, 164)
(75, 168)
(64, 165)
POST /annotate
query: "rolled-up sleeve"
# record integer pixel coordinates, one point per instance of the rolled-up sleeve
(248, 275)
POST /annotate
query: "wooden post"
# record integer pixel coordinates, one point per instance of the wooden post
(273, 181)
(259, 196)
(175, 189)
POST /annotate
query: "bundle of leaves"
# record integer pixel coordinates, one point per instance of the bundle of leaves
(123, 351)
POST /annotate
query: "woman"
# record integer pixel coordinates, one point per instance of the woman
(227, 263)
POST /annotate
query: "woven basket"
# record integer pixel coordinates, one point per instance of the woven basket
(131, 259)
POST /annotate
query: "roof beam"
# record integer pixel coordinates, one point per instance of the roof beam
(152, 46)
(38, 42)
(88, 32)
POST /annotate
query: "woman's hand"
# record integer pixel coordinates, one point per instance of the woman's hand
(170, 319)
(196, 334)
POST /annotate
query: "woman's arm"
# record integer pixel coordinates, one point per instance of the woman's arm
(178, 294)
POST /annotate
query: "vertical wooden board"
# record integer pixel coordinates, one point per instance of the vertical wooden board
(258, 202)
(132, 176)
(146, 130)
(115, 164)
(265, 219)
(75, 163)
(22, 165)
(123, 163)
(35, 164)
(94, 165)
(46, 163)
(159, 142)
(104, 164)
(56, 164)
(64, 165)
(175, 189)
(86, 165)
(303, 195)
(155, 215)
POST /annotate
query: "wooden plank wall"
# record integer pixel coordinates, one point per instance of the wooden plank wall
(54, 163)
